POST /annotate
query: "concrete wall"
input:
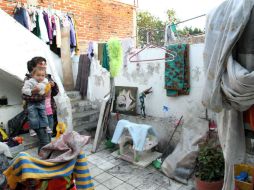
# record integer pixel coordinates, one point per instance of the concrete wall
(151, 74)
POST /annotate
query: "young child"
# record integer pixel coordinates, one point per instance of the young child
(36, 110)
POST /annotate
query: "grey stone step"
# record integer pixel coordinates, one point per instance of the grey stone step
(79, 106)
(85, 126)
(74, 95)
(91, 115)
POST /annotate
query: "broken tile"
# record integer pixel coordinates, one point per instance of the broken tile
(112, 183)
(124, 186)
(95, 171)
(101, 187)
(103, 177)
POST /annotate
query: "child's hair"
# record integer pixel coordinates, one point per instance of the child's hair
(36, 69)
(33, 62)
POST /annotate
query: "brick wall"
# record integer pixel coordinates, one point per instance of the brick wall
(98, 20)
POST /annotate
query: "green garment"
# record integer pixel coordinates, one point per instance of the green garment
(105, 59)
(36, 30)
(173, 28)
(177, 71)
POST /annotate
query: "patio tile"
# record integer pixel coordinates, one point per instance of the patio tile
(95, 171)
(124, 186)
(113, 183)
(103, 177)
(105, 166)
(101, 187)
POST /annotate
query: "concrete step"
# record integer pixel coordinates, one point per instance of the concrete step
(74, 95)
(85, 127)
(86, 116)
(79, 106)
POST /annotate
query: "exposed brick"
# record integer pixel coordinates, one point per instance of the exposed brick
(97, 20)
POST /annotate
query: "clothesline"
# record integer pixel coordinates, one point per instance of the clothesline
(46, 23)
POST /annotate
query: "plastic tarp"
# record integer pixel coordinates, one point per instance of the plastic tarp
(18, 45)
(181, 163)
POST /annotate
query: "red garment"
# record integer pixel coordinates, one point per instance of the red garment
(248, 117)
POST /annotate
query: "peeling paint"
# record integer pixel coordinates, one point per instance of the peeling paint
(196, 72)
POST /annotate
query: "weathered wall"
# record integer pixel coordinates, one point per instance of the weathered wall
(151, 74)
(97, 20)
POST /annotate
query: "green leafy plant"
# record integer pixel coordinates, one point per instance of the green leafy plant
(210, 163)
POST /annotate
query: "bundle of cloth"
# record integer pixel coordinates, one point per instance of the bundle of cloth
(63, 162)
(228, 90)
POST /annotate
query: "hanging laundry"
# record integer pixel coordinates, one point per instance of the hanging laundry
(36, 31)
(20, 15)
(90, 50)
(177, 71)
(115, 53)
(48, 26)
(169, 34)
(76, 36)
(73, 42)
(58, 32)
(43, 28)
(83, 74)
(105, 58)
(100, 52)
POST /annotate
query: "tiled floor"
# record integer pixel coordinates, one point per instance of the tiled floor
(110, 173)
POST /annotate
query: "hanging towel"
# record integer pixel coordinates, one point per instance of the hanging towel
(100, 52)
(83, 74)
(48, 26)
(177, 71)
(138, 133)
(105, 58)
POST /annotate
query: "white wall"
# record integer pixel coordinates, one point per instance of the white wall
(151, 74)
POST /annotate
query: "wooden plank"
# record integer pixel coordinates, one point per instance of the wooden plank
(101, 121)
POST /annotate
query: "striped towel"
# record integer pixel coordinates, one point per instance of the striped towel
(27, 167)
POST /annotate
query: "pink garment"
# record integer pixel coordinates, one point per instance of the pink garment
(48, 107)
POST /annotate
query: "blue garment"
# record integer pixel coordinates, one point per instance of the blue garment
(37, 115)
(51, 121)
(73, 42)
(138, 133)
(20, 16)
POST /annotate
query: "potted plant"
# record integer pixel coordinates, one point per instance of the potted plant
(209, 170)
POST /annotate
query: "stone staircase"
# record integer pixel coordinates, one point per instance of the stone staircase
(85, 116)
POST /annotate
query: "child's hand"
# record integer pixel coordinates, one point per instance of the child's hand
(52, 84)
(36, 90)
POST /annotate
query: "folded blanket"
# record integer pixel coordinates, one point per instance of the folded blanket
(27, 167)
